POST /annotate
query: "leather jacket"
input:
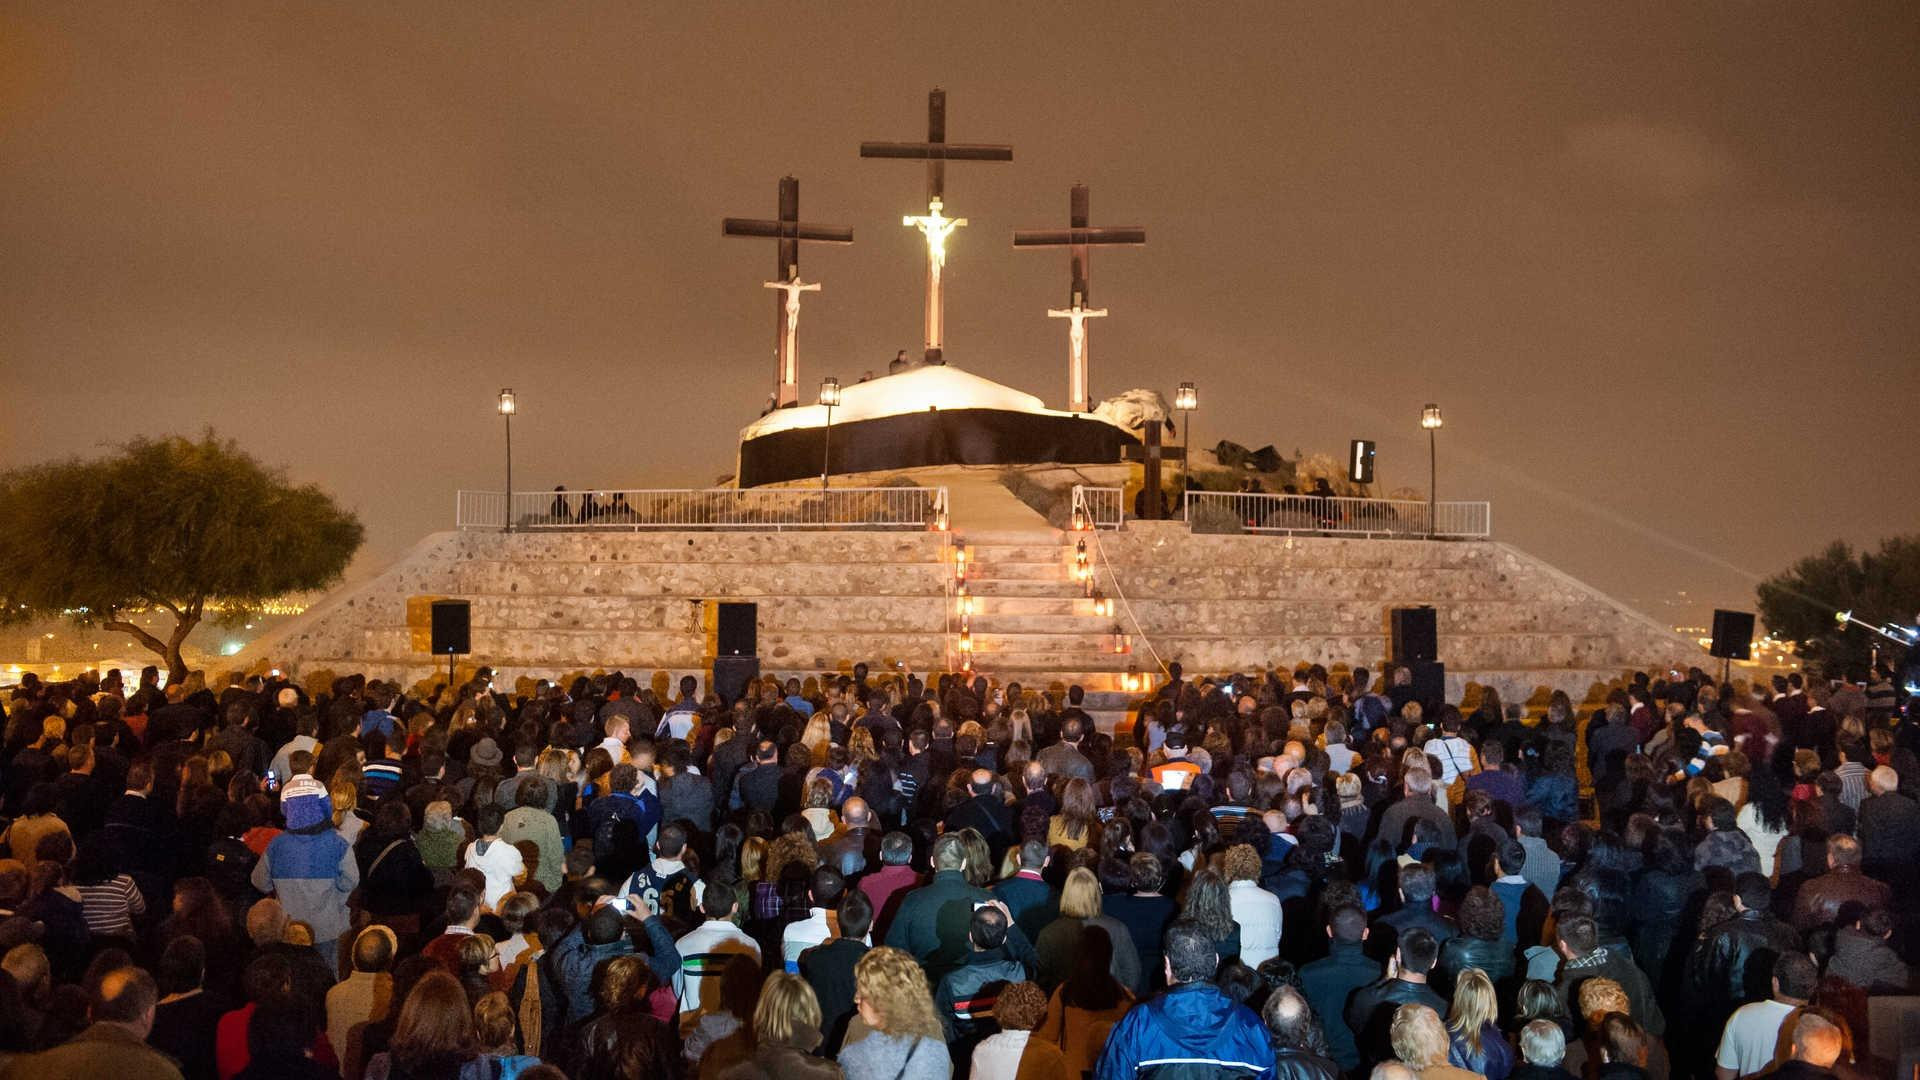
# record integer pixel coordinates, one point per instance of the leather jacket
(1300, 1065)
(1839, 895)
(1461, 952)
(628, 1041)
(1733, 963)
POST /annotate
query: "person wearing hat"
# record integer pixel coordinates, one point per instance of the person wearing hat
(310, 867)
(1176, 773)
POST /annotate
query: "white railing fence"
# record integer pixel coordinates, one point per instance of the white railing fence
(1230, 512)
(713, 508)
(1099, 507)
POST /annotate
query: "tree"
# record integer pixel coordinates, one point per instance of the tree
(164, 525)
(1879, 587)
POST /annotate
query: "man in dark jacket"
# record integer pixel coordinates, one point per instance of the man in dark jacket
(1289, 1021)
(965, 998)
(857, 848)
(1582, 957)
(933, 921)
(757, 787)
(1415, 804)
(1145, 912)
(1863, 955)
(1733, 963)
(685, 795)
(985, 812)
(1191, 1032)
(1842, 894)
(1329, 981)
(1369, 1012)
(828, 968)
(1030, 899)
(1416, 910)
(1889, 829)
(599, 938)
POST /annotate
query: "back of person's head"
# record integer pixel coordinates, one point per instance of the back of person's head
(1080, 896)
(1289, 1018)
(1720, 813)
(1843, 850)
(896, 849)
(124, 995)
(1600, 996)
(373, 949)
(1795, 976)
(1419, 1038)
(1754, 890)
(603, 926)
(1146, 873)
(1542, 1043)
(826, 886)
(1347, 923)
(1416, 884)
(788, 1012)
(949, 852)
(1580, 934)
(1191, 954)
(435, 1022)
(183, 965)
(1622, 1040)
(266, 922)
(1512, 855)
(856, 914)
(1418, 951)
(672, 841)
(1817, 1040)
(988, 928)
(462, 905)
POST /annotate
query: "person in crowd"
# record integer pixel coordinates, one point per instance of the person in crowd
(1420, 1043)
(1369, 1011)
(1086, 1006)
(786, 1032)
(966, 997)
(363, 997)
(1543, 1046)
(1015, 1052)
(310, 867)
(1475, 1041)
(904, 1039)
(1214, 1036)
(1080, 911)
(1751, 1041)
(1289, 1021)
(829, 966)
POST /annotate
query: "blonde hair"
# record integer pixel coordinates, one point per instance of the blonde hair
(345, 796)
(787, 1004)
(493, 1023)
(894, 986)
(1474, 1006)
(1598, 997)
(1080, 897)
(1419, 1039)
(753, 855)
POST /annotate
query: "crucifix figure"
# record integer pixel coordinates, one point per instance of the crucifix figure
(1150, 454)
(790, 232)
(1077, 237)
(935, 225)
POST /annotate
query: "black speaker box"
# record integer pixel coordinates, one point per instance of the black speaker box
(452, 627)
(1429, 684)
(738, 630)
(1414, 637)
(1732, 634)
(731, 674)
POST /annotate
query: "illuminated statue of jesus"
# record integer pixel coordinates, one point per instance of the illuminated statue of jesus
(1077, 388)
(790, 356)
(936, 227)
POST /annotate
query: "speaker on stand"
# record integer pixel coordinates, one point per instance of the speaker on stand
(1732, 639)
(452, 631)
(736, 648)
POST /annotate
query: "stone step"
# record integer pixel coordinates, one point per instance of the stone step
(1406, 587)
(686, 614)
(745, 579)
(1075, 606)
(1016, 552)
(1024, 587)
(1086, 640)
(1275, 616)
(1042, 624)
(1057, 570)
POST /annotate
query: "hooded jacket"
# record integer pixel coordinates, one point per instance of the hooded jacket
(311, 871)
(1191, 1032)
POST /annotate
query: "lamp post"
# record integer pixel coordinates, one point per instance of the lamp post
(508, 406)
(1430, 419)
(829, 396)
(1186, 398)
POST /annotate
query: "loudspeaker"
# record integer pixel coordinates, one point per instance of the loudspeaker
(1429, 684)
(731, 674)
(1414, 638)
(738, 630)
(1360, 461)
(1732, 634)
(452, 627)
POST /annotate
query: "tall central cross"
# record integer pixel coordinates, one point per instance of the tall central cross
(1077, 237)
(935, 225)
(1151, 454)
(791, 233)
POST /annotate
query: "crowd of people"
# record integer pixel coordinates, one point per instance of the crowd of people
(1303, 874)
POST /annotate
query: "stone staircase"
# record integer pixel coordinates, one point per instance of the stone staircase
(1033, 624)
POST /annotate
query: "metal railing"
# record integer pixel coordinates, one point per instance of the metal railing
(1100, 507)
(1232, 512)
(713, 508)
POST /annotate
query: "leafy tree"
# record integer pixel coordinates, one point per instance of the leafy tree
(1877, 586)
(168, 525)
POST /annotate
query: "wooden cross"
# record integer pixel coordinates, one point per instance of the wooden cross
(1077, 237)
(936, 226)
(788, 229)
(1150, 455)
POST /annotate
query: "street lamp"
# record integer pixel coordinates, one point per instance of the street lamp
(829, 396)
(508, 406)
(1430, 419)
(1186, 398)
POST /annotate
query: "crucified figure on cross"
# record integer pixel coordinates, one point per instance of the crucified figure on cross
(1077, 344)
(793, 286)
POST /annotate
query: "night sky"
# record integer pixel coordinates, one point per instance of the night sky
(1658, 263)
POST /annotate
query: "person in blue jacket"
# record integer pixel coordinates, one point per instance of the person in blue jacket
(1191, 1032)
